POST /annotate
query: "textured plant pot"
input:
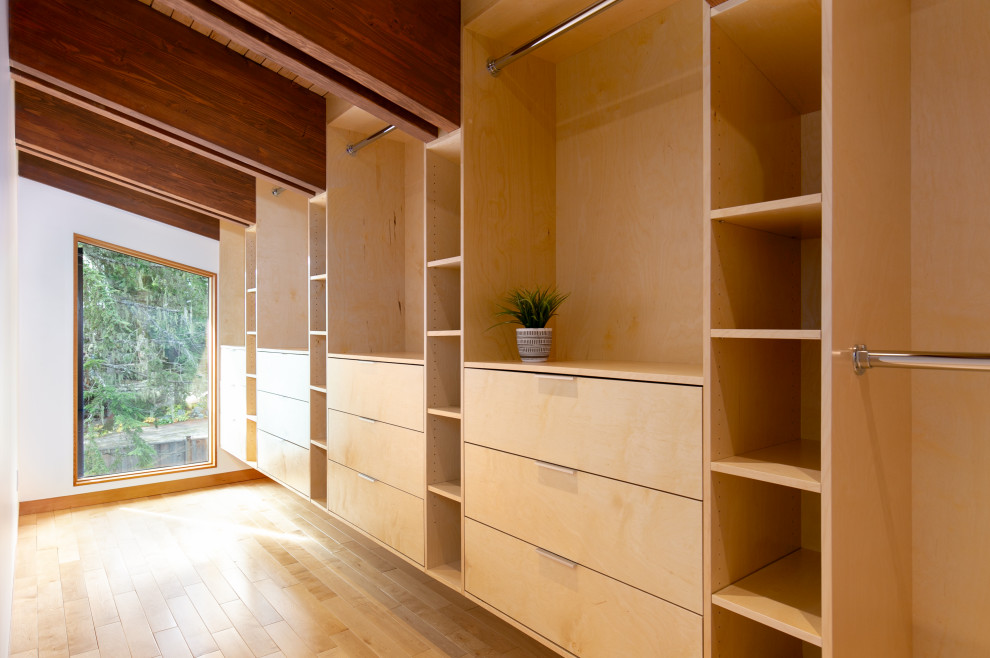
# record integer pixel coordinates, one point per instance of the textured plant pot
(534, 344)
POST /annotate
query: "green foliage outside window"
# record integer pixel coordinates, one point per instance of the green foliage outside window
(145, 348)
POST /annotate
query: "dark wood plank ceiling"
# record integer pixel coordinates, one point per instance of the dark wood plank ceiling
(151, 113)
(406, 50)
(133, 59)
(249, 36)
(53, 128)
(92, 187)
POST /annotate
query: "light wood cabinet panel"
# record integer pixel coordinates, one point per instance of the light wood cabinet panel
(384, 512)
(645, 538)
(580, 610)
(286, 418)
(394, 455)
(284, 373)
(284, 462)
(390, 392)
(647, 434)
(233, 401)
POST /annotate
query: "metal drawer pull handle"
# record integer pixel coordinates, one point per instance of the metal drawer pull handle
(367, 477)
(563, 378)
(555, 467)
(367, 420)
(556, 558)
(371, 362)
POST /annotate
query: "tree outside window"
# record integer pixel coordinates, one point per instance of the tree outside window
(144, 370)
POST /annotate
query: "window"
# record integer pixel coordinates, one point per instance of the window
(144, 364)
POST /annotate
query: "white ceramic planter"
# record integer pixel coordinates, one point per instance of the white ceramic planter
(534, 344)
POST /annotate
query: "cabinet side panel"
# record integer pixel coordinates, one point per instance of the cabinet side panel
(231, 284)
(950, 308)
(867, 463)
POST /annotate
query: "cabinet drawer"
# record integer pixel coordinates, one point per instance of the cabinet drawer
(284, 373)
(646, 538)
(389, 392)
(579, 609)
(286, 418)
(284, 461)
(384, 512)
(648, 434)
(392, 454)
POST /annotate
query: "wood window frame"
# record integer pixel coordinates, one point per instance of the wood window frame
(77, 388)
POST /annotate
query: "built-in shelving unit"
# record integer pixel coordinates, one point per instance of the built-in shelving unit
(444, 359)
(318, 349)
(251, 342)
(764, 384)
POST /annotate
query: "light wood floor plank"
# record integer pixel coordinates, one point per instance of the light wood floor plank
(172, 644)
(250, 630)
(198, 637)
(241, 570)
(79, 627)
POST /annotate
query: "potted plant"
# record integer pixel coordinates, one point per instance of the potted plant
(532, 308)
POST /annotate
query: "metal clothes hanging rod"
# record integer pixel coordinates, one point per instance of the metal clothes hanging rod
(496, 65)
(352, 149)
(864, 360)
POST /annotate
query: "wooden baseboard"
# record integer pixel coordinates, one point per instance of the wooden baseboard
(139, 491)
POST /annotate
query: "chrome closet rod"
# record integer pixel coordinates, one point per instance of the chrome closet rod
(864, 359)
(495, 65)
(354, 148)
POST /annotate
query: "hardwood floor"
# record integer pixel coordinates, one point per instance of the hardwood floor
(247, 569)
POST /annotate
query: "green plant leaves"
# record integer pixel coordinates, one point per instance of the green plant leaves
(530, 307)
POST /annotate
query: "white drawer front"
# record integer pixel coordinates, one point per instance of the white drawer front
(647, 434)
(284, 373)
(286, 418)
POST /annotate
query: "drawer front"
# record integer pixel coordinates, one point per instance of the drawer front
(648, 434)
(284, 373)
(392, 454)
(284, 462)
(646, 538)
(233, 422)
(384, 512)
(578, 609)
(389, 392)
(286, 418)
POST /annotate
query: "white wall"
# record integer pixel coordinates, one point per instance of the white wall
(8, 340)
(48, 219)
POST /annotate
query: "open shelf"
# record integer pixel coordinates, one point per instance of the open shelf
(251, 290)
(318, 277)
(451, 490)
(322, 445)
(453, 263)
(317, 333)
(448, 574)
(252, 417)
(769, 334)
(795, 464)
(413, 358)
(319, 389)
(785, 595)
(796, 217)
(251, 333)
(446, 412)
(666, 373)
(251, 375)
(447, 333)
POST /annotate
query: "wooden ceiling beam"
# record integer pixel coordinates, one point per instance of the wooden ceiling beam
(406, 50)
(51, 173)
(78, 138)
(261, 42)
(131, 60)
